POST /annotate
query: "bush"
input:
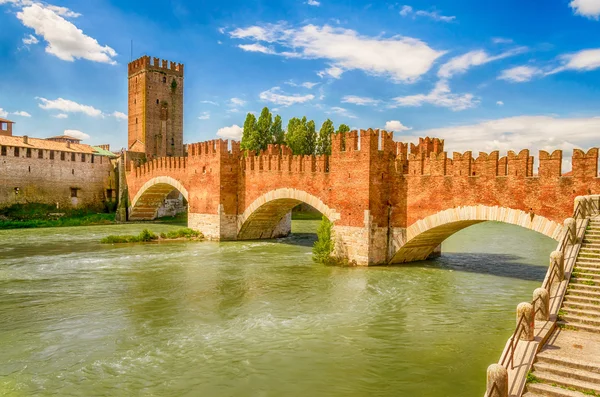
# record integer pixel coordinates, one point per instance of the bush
(323, 247)
(147, 236)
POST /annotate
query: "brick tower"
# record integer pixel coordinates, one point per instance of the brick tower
(155, 107)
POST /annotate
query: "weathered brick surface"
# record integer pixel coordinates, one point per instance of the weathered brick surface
(375, 191)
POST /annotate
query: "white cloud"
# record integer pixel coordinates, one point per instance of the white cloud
(204, 116)
(501, 40)
(516, 133)
(313, 3)
(233, 132)
(256, 48)
(119, 115)
(340, 111)
(584, 60)
(361, 101)
(3, 113)
(403, 59)
(210, 103)
(65, 40)
(520, 74)
(22, 113)
(237, 102)
(68, 106)
(306, 84)
(76, 134)
(435, 15)
(586, 8)
(275, 96)
(439, 96)
(30, 39)
(500, 103)
(395, 125)
(406, 10)
(460, 64)
(61, 116)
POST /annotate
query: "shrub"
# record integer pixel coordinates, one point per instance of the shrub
(323, 247)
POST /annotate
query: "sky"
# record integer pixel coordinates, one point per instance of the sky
(483, 75)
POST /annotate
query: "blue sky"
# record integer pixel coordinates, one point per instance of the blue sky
(484, 75)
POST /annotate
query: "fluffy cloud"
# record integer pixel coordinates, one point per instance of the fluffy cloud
(22, 113)
(435, 15)
(256, 48)
(520, 74)
(395, 125)
(275, 95)
(64, 39)
(439, 96)
(585, 60)
(515, 133)
(30, 39)
(119, 115)
(3, 113)
(61, 116)
(500, 103)
(313, 3)
(233, 132)
(210, 103)
(361, 101)
(586, 8)
(204, 116)
(237, 102)
(403, 59)
(307, 84)
(341, 112)
(460, 64)
(68, 106)
(76, 134)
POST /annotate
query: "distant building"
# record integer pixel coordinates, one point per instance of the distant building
(64, 138)
(6, 127)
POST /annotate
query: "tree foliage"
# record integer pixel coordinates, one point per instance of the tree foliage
(263, 129)
(343, 128)
(248, 134)
(324, 139)
(277, 133)
(323, 247)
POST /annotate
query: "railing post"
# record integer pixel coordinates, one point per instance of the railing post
(571, 229)
(541, 304)
(557, 260)
(497, 381)
(525, 310)
(581, 201)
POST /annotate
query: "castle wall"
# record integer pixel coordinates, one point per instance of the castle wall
(38, 179)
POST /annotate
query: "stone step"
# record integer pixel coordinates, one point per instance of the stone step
(587, 268)
(542, 389)
(584, 286)
(570, 304)
(587, 249)
(583, 292)
(593, 312)
(579, 385)
(582, 299)
(574, 318)
(550, 357)
(579, 326)
(567, 372)
(584, 278)
(585, 255)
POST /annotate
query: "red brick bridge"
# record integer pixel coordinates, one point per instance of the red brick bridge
(388, 205)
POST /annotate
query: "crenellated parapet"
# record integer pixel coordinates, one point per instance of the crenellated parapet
(280, 158)
(160, 165)
(155, 64)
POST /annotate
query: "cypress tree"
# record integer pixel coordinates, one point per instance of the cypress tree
(248, 133)
(263, 130)
(324, 139)
(277, 134)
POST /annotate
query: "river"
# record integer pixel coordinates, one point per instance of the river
(78, 318)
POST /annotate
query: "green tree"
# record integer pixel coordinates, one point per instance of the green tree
(323, 247)
(277, 134)
(295, 134)
(324, 139)
(343, 128)
(263, 130)
(249, 133)
(311, 138)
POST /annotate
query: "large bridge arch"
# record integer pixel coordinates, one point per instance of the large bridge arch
(263, 217)
(152, 195)
(425, 235)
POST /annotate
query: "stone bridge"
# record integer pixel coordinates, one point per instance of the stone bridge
(388, 204)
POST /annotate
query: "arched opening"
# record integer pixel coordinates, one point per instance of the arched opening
(162, 196)
(270, 216)
(424, 237)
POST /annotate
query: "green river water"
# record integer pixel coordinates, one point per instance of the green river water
(78, 318)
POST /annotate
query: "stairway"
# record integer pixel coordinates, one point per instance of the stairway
(569, 364)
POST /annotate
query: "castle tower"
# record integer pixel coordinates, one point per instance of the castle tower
(155, 107)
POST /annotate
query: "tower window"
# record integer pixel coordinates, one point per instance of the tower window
(3, 150)
(74, 192)
(28, 153)
(164, 79)
(172, 141)
(51, 154)
(136, 120)
(157, 101)
(83, 157)
(72, 156)
(16, 152)
(40, 154)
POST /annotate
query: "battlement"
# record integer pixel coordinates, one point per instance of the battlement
(280, 158)
(427, 145)
(213, 148)
(365, 141)
(159, 164)
(148, 64)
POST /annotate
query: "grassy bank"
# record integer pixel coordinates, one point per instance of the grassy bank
(306, 216)
(22, 216)
(147, 236)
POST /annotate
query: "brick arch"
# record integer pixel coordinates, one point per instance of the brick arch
(425, 235)
(152, 194)
(262, 217)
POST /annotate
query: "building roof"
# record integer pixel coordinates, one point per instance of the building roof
(103, 152)
(36, 143)
(6, 121)
(65, 137)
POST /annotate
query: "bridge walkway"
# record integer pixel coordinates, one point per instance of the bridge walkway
(569, 363)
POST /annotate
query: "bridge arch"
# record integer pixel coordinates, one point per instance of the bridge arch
(152, 195)
(263, 217)
(425, 235)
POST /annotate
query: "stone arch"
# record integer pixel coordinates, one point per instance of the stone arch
(151, 195)
(264, 215)
(425, 235)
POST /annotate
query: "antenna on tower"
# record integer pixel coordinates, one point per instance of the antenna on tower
(131, 57)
